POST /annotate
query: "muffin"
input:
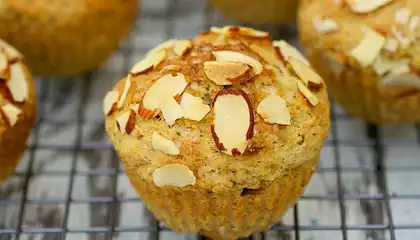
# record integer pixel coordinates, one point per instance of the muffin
(219, 134)
(61, 37)
(368, 53)
(17, 108)
(258, 12)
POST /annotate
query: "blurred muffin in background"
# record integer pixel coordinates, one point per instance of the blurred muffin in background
(258, 11)
(17, 108)
(61, 37)
(368, 53)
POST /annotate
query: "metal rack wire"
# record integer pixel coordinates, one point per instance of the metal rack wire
(83, 143)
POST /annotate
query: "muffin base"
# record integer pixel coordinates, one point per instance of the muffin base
(358, 92)
(224, 216)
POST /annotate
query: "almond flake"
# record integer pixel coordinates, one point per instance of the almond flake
(216, 30)
(269, 57)
(288, 50)
(109, 101)
(391, 45)
(366, 6)
(369, 48)
(402, 16)
(165, 45)
(171, 68)
(10, 51)
(4, 67)
(233, 123)
(164, 87)
(404, 41)
(414, 23)
(246, 31)
(273, 109)
(401, 77)
(325, 25)
(181, 47)
(230, 56)
(150, 62)
(194, 108)
(126, 121)
(312, 99)
(305, 73)
(127, 86)
(164, 145)
(173, 175)
(18, 85)
(135, 107)
(383, 65)
(171, 110)
(227, 73)
(11, 113)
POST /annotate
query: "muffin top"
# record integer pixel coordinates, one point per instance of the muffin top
(379, 35)
(17, 94)
(225, 111)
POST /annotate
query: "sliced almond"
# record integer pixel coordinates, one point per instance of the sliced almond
(230, 56)
(391, 45)
(216, 30)
(384, 65)
(127, 86)
(269, 57)
(181, 47)
(233, 123)
(164, 145)
(273, 109)
(135, 107)
(288, 51)
(165, 45)
(246, 31)
(10, 51)
(173, 175)
(414, 23)
(171, 110)
(305, 73)
(109, 101)
(403, 40)
(11, 113)
(369, 48)
(402, 16)
(151, 61)
(171, 68)
(126, 121)
(312, 99)
(164, 87)
(4, 67)
(325, 25)
(18, 85)
(401, 77)
(194, 108)
(366, 6)
(227, 73)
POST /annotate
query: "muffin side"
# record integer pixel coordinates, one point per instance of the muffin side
(380, 82)
(210, 167)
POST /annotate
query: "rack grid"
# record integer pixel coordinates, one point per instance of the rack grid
(365, 187)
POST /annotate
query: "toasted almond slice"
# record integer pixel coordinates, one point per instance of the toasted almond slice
(216, 30)
(312, 99)
(109, 101)
(414, 23)
(127, 86)
(384, 65)
(164, 87)
(273, 109)
(18, 85)
(12, 52)
(230, 56)
(11, 113)
(194, 108)
(402, 16)
(391, 45)
(305, 73)
(325, 25)
(165, 45)
(164, 145)
(135, 107)
(403, 40)
(269, 57)
(173, 175)
(151, 61)
(4, 67)
(126, 121)
(401, 77)
(233, 123)
(363, 6)
(288, 50)
(171, 68)
(227, 73)
(171, 110)
(246, 31)
(181, 47)
(369, 48)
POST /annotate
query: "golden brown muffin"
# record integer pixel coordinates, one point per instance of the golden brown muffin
(368, 53)
(62, 37)
(219, 135)
(17, 108)
(258, 11)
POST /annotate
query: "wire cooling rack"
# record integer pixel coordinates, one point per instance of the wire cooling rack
(70, 185)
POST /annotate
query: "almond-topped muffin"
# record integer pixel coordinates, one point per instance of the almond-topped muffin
(369, 54)
(258, 12)
(219, 134)
(17, 108)
(65, 37)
